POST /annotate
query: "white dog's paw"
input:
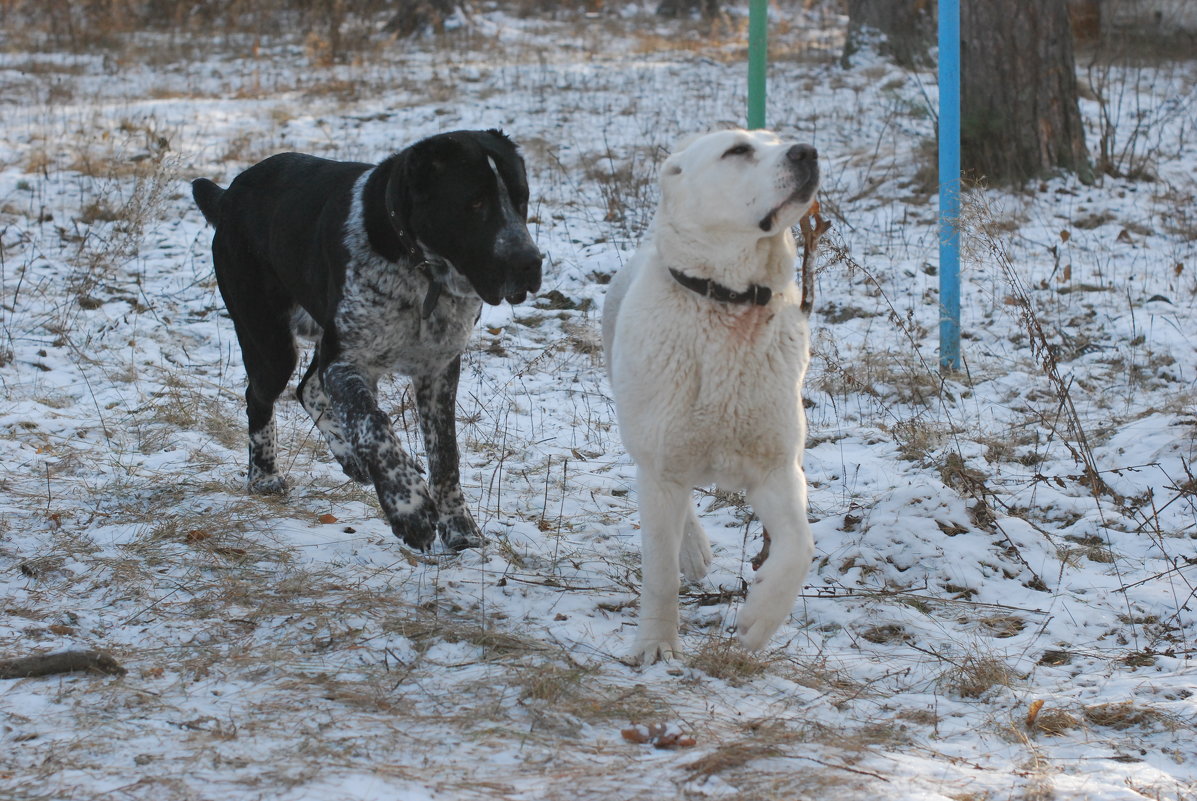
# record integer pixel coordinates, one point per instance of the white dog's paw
(696, 552)
(767, 607)
(648, 650)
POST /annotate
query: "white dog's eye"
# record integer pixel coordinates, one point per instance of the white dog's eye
(738, 150)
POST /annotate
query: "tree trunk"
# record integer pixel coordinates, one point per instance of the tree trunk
(907, 25)
(1019, 113)
(415, 16)
(708, 9)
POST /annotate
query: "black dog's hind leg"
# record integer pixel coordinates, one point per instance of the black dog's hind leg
(314, 399)
(263, 478)
(270, 359)
(436, 400)
(260, 310)
(401, 490)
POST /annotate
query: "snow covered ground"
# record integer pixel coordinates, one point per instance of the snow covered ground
(1022, 532)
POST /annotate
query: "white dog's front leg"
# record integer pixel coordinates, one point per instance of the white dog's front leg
(696, 547)
(780, 502)
(662, 516)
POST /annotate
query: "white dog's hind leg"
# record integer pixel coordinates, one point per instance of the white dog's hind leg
(696, 548)
(780, 502)
(662, 517)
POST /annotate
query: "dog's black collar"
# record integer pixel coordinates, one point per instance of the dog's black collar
(756, 294)
(416, 256)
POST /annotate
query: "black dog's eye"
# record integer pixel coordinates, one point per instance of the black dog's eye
(738, 150)
(477, 204)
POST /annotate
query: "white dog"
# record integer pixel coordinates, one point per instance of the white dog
(706, 350)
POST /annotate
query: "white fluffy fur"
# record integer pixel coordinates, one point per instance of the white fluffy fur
(709, 392)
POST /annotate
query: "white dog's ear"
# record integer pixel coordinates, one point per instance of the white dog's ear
(671, 167)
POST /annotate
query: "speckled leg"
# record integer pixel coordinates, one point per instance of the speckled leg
(436, 399)
(267, 379)
(401, 490)
(315, 401)
(263, 477)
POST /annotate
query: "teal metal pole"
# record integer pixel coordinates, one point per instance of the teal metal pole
(949, 185)
(758, 17)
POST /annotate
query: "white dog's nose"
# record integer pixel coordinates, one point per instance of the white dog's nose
(802, 153)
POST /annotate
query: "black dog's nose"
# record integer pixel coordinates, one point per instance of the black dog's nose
(528, 262)
(802, 153)
(526, 267)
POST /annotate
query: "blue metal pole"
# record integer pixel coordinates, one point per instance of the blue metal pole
(758, 18)
(949, 184)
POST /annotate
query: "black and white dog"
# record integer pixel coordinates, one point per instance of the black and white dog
(386, 266)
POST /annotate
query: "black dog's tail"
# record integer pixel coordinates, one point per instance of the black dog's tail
(207, 196)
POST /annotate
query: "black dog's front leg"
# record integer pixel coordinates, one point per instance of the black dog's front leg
(401, 490)
(436, 399)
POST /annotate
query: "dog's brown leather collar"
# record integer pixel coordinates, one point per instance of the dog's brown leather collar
(756, 294)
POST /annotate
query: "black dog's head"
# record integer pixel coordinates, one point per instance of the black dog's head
(463, 196)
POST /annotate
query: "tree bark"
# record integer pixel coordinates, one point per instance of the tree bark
(908, 27)
(1019, 112)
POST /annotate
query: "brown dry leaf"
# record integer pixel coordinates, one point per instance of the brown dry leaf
(657, 735)
(327, 518)
(196, 535)
(635, 734)
(1033, 712)
(58, 628)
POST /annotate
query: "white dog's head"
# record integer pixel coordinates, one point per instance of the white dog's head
(740, 182)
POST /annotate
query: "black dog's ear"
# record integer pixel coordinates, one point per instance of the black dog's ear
(386, 207)
(428, 157)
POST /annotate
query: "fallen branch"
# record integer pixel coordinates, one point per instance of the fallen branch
(61, 662)
(810, 240)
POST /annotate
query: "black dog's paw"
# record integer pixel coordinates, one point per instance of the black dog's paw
(459, 532)
(260, 483)
(417, 530)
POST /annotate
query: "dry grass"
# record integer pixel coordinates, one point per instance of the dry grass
(723, 659)
(1124, 715)
(975, 675)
